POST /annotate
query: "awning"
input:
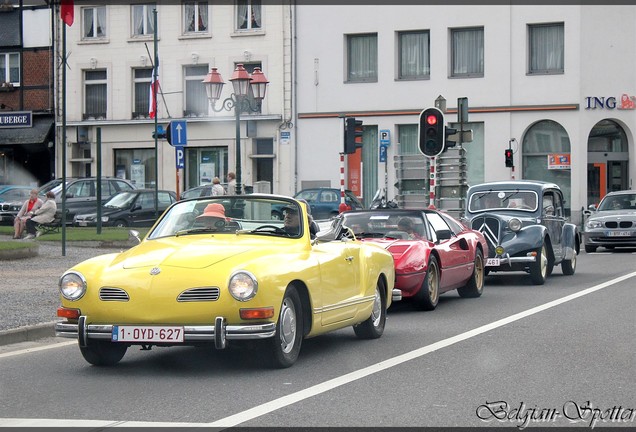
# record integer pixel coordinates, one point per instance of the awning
(36, 134)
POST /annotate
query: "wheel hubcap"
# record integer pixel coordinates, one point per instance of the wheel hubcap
(287, 326)
(432, 283)
(479, 272)
(544, 262)
(376, 313)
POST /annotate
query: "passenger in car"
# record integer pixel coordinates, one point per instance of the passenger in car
(213, 216)
(406, 225)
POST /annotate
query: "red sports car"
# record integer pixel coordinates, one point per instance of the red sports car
(433, 252)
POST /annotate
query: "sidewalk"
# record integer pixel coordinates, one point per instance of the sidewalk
(29, 290)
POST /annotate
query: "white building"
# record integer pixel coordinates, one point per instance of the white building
(556, 83)
(110, 55)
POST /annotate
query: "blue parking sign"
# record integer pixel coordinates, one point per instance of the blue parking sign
(180, 157)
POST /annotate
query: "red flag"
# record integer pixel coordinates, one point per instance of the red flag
(67, 12)
(154, 89)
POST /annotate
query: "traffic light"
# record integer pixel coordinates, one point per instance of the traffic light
(431, 134)
(160, 133)
(353, 135)
(448, 131)
(509, 161)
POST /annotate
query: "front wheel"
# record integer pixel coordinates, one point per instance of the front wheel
(539, 268)
(285, 345)
(428, 295)
(103, 353)
(373, 327)
(475, 285)
(120, 223)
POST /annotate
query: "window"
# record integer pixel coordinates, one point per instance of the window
(546, 48)
(136, 165)
(205, 163)
(248, 15)
(10, 68)
(93, 22)
(95, 88)
(362, 58)
(143, 19)
(195, 15)
(414, 52)
(141, 92)
(467, 52)
(196, 98)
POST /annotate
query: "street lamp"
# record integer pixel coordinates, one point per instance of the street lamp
(244, 85)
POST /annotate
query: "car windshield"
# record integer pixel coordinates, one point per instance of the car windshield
(54, 185)
(618, 202)
(241, 215)
(512, 199)
(121, 200)
(378, 224)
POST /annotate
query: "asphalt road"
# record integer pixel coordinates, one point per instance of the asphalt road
(560, 354)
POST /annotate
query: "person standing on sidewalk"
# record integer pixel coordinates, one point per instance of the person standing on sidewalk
(45, 214)
(29, 206)
(231, 183)
(217, 188)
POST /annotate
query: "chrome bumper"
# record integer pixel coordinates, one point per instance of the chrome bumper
(396, 295)
(217, 333)
(507, 259)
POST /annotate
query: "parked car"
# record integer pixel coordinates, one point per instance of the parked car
(201, 277)
(324, 202)
(134, 208)
(81, 193)
(11, 199)
(203, 190)
(525, 225)
(433, 252)
(612, 223)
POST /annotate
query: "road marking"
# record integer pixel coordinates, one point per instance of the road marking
(35, 349)
(331, 384)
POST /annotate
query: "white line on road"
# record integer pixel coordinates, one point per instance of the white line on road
(40, 348)
(331, 384)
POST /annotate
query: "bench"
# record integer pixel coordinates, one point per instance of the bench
(51, 227)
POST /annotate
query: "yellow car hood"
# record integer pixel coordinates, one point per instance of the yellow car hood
(188, 254)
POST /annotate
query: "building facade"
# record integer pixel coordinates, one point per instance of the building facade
(111, 57)
(26, 94)
(553, 83)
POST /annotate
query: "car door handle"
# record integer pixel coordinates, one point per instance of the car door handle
(349, 258)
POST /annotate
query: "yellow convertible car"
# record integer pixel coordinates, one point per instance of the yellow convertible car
(220, 271)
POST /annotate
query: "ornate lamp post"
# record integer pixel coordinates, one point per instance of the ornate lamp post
(244, 85)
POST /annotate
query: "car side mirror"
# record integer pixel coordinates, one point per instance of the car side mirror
(133, 235)
(444, 234)
(136, 207)
(592, 207)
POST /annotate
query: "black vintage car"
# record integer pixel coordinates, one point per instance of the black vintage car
(525, 225)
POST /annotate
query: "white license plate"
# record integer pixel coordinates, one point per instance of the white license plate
(82, 223)
(619, 233)
(492, 262)
(147, 334)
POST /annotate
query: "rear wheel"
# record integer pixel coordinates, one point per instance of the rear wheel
(373, 327)
(568, 267)
(539, 268)
(428, 295)
(475, 285)
(284, 347)
(103, 353)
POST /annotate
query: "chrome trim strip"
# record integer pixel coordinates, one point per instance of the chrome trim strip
(354, 302)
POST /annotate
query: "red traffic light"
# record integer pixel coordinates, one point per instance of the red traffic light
(431, 120)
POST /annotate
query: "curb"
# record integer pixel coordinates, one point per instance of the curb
(27, 333)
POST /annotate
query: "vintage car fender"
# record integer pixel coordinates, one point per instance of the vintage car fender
(528, 238)
(570, 240)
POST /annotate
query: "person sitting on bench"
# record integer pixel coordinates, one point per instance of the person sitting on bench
(45, 214)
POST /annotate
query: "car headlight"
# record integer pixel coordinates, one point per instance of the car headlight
(104, 219)
(514, 224)
(72, 286)
(243, 285)
(591, 224)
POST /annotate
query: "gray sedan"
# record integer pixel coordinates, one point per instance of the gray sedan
(612, 223)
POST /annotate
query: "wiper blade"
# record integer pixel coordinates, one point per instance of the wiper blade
(483, 195)
(511, 195)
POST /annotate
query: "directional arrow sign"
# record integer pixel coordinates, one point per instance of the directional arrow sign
(178, 133)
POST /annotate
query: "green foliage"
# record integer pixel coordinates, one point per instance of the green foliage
(72, 234)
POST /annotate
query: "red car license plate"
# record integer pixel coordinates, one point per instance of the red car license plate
(147, 334)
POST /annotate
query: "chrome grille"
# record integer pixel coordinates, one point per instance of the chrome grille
(489, 227)
(113, 294)
(199, 294)
(611, 224)
(625, 224)
(621, 224)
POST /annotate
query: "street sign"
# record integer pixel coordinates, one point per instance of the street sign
(466, 136)
(178, 133)
(383, 152)
(385, 137)
(462, 110)
(180, 157)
